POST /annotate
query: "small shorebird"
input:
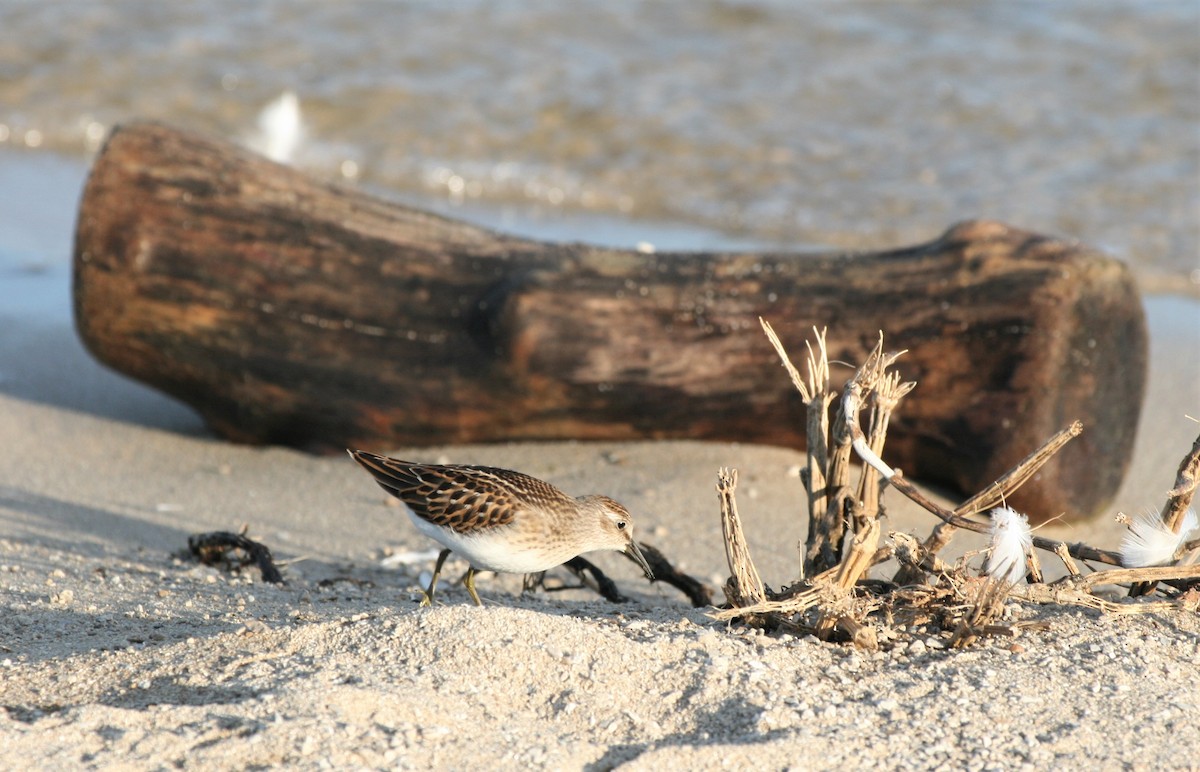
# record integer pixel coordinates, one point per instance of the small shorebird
(500, 520)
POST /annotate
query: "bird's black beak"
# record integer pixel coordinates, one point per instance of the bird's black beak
(635, 554)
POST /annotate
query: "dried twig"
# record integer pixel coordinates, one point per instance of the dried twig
(696, 591)
(824, 521)
(911, 553)
(821, 592)
(886, 394)
(1186, 481)
(883, 391)
(987, 608)
(212, 548)
(912, 573)
(744, 588)
(589, 575)
(1057, 594)
(996, 494)
(1068, 563)
(839, 601)
(897, 480)
(1007, 484)
(1127, 575)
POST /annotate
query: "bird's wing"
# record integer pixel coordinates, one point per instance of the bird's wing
(462, 498)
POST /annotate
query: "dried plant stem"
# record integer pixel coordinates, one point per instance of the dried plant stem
(912, 553)
(1186, 481)
(1060, 595)
(825, 518)
(860, 635)
(745, 587)
(1078, 551)
(897, 480)
(867, 380)
(822, 553)
(884, 390)
(835, 599)
(996, 493)
(1034, 566)
(817, 595)
(859, 557)
(1127, 575)
(817, 399)
(817, 403)
(887, 393)
(1072, 568)
(913, 573)
(987, 608)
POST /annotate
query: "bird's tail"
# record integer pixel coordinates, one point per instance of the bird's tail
(393, 475)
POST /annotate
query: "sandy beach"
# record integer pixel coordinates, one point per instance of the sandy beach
(714, 125)
(119, 651)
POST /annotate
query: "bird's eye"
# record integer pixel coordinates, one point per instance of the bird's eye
(620, 525)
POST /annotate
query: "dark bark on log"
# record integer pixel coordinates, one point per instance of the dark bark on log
(289, 310)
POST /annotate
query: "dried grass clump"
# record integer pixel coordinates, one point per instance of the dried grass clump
(836, 599)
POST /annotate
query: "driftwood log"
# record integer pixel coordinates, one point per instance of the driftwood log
(290, 310)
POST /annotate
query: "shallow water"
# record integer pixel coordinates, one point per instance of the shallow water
(829, 123)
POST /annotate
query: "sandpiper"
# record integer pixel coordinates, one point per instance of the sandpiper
(500, 520)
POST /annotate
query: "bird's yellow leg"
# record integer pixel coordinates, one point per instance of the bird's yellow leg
(437, 570)
(470, 582)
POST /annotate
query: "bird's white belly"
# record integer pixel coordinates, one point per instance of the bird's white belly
(493, 549)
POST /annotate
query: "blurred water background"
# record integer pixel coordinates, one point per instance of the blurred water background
(695, 124)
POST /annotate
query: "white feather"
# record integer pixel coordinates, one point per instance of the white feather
(411, 557)
(1012, 539)
(280, 129)
(1149, 542)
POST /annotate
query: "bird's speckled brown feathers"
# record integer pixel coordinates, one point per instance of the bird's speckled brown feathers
(465, 499)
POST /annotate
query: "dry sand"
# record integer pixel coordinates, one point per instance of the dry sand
(117, 652)
(114, 651)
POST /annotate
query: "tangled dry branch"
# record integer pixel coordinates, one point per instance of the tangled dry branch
(836, 599)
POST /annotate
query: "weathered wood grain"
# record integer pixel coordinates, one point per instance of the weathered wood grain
(290, 310)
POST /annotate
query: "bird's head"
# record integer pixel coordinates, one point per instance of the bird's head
(615, 529)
